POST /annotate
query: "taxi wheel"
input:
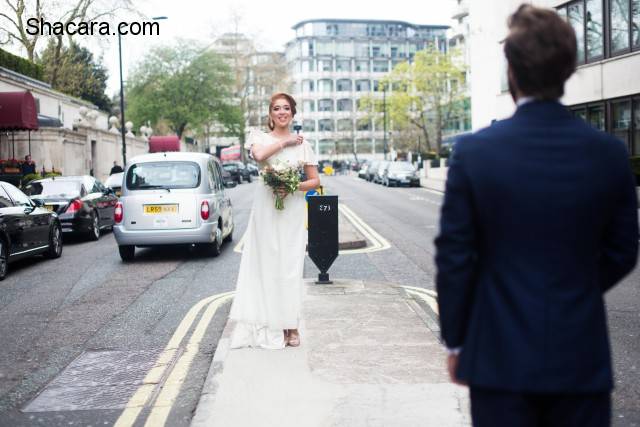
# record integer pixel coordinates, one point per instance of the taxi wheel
(127, 252)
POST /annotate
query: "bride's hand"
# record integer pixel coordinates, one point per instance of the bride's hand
(282, 192)
(294, 140)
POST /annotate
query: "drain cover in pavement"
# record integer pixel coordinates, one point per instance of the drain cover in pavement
(100, 380)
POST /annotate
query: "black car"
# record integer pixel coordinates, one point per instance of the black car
(238, 171)
(82, 203)
(228, 180)
(26, 228)
(253, 169)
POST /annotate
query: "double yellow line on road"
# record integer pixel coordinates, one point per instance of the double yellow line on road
(176, 373)
(428, 296)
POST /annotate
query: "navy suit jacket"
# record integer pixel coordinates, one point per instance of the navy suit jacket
(539, 220)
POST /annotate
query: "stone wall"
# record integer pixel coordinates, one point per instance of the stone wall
(72, 152)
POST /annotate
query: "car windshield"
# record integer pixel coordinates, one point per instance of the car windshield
(401, 167)
(166, 175)
(65, 189)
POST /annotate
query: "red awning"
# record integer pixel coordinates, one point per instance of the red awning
(18, 111)
(159, 144)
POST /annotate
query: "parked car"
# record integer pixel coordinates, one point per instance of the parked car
(377, 174)
(371, 170)
(400, 173)
(238, 170)
(253, 169)
(26, 228)
(82, 203)
(173, 198)
(227, 179)
(115, 183)
(362, 171)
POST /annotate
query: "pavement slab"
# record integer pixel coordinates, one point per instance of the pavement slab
(366, 359)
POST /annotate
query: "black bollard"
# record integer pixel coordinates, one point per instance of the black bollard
(323, 234)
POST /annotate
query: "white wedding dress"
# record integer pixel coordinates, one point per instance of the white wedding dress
(269, 289)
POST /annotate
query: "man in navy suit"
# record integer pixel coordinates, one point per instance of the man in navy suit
(539, 220)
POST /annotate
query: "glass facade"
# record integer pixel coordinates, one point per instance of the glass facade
(604, 28)
(620, 117)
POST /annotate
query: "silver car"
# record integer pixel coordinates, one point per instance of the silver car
(173, 198)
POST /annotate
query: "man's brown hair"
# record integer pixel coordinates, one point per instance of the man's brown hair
(541, 51)
(288, 98)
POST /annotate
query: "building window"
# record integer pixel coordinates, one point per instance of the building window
(343, 85)
(309, 125)
(635, 23)
(307, 66)
(344, 49)
(325, 64)
(595, 116)
(362, 50)
(575, 13)
(308, 86)
(594, 21)
(621, 120)
(619, 25)
(325, 105)
(363, 124)
(345, 125)
(362, 65)
(325, 85)
(324, 48)
(380, 66)
(620, 117)
(343, 65)
(308, 106)
(595, 30)
(326, 146)
(325, 125)
(344, 105)
(363, 86)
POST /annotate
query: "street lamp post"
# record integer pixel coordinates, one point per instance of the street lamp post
(122, 121)
(384, 120)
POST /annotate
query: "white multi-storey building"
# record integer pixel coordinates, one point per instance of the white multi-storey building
(333, 63)
(605, 90)
(459, 41)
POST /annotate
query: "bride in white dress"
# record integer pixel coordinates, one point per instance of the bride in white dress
(268, 298)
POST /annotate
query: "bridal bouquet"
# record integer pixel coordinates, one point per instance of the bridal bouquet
(282, 176)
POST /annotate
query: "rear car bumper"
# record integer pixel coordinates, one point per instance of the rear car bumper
(75, 224)
(206, 233)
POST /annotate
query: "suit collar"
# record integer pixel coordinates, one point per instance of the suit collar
(542, 110)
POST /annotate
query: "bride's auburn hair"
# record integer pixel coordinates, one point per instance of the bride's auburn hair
(288, 98)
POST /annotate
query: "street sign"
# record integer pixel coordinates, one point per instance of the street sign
(323, 234)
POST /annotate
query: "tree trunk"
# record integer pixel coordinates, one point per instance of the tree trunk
(56, 63)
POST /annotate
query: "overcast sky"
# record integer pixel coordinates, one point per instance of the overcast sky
(268, 21)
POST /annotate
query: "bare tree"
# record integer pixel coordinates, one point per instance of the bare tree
(14, 23)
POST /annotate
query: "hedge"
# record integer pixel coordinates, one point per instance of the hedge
(21, 65)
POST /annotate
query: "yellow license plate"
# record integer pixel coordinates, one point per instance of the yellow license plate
(49, 207)
(160, 209)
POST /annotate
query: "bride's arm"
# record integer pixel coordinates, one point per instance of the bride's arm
(313, 179)
(261, 153)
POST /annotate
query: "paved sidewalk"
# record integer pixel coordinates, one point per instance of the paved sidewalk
(367, 358)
